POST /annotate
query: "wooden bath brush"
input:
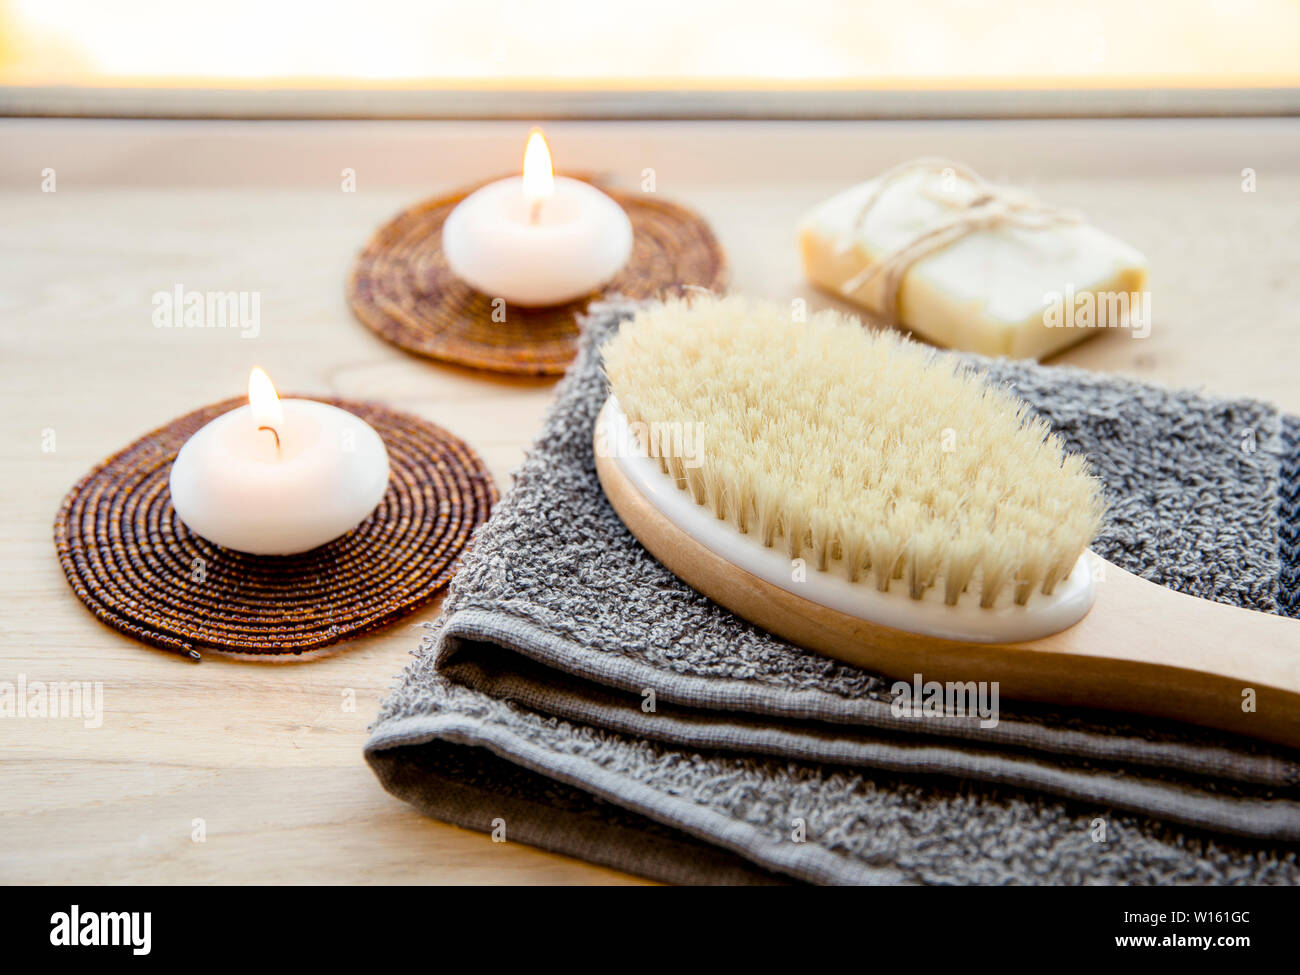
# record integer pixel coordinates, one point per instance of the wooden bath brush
(857, 496)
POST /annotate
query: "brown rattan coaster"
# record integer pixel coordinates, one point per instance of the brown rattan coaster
(402, 288)
(141, 571)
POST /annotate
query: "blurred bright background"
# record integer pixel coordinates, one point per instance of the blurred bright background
(656, 45)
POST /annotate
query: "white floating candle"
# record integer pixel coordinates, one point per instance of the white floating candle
(278, 477)
(537, 240)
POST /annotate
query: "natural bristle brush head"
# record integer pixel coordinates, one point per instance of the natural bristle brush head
(865, 454)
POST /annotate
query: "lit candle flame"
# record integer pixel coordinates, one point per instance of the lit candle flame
(263, 401)
(539, 179)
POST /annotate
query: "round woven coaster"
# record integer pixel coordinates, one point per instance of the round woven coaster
(141, 571)
(402, 288)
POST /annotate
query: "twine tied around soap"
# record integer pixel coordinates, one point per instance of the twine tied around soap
(990, 207)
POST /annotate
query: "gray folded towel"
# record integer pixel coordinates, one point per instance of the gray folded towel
(575, 695)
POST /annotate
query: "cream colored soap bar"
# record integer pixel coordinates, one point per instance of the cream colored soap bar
(1024, 285)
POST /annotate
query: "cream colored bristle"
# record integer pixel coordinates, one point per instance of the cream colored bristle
(861, 453)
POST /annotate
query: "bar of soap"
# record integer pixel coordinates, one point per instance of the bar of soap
(999, 291)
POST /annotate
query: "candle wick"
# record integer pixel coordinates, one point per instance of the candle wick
(274, 434)
(536, 213)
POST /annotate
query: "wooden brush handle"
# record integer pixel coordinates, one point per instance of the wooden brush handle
(1142, 648)
(1149, 649)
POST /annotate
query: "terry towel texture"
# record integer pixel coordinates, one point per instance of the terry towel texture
(528, 706)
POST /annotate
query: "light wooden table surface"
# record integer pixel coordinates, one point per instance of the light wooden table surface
(265, 754)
